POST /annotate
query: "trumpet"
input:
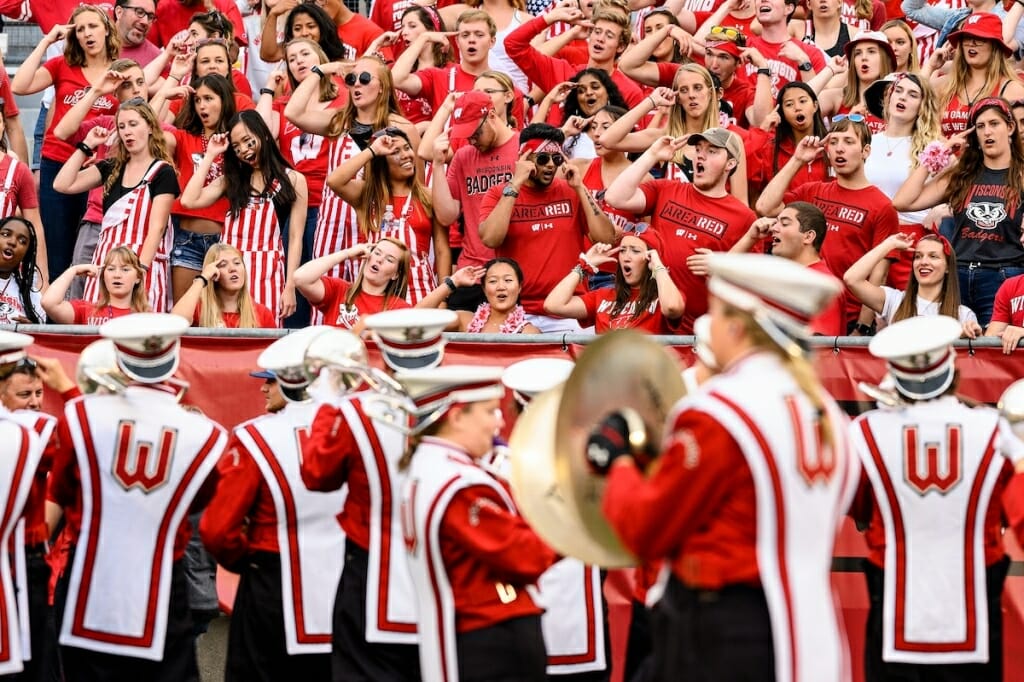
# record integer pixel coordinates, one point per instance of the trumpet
(97, 369)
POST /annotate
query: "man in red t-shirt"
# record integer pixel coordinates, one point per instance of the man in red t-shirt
(692, 218)
(859, 215)
(1008, 313)
(797, 235)
(539, 219)
(475, 36)
(609, 37)
(787, 59)
(487, 161)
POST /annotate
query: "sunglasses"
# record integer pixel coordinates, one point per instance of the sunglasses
(636, 228)
(390, 131)
(22, 366)
(545, 158)
(728, 33)
(364, 78)
(856, 118)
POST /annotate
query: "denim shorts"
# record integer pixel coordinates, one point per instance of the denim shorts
(190, 248)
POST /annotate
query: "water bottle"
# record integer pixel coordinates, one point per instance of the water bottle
(387, 222)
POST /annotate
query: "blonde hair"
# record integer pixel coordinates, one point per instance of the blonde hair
(471, 15)
(928, 123)
(328, 87)
(212, 314)
(677, 116)
(508, 84)
(997, 71)
(854, 88)
(157, 145)
(385, 107)
(396, 288)
(140, 299)
(913, 63)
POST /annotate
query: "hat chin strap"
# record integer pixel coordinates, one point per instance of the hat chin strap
(793, 346)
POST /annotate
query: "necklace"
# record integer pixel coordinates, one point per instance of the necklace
(893, 147)
(972, 100)
(10, 278)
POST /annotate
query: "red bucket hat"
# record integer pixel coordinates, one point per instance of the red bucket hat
(983, 25)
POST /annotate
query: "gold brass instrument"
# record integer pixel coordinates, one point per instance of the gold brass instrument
(97, 369)
(554, 487)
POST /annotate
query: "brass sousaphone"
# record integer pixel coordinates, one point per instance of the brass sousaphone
(554, 487)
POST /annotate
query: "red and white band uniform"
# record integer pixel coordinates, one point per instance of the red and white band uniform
(126, 222)
(126, 471)
(574, 623)
(31, 534)
(350, 443)
(938, 472)
(262, 512)
(763, 502)
(472, 556)
(256, 232)
(24, 450)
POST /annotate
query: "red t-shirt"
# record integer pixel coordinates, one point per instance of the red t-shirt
(832, 320)
(545, 236)
(1008, 306)
(688, 220)
(173, 16)
(86, 312)
(858, 220)
(243, 102)
(188, 154)
(762, 164)
(436, 82)
(70, 84)
(265, 319)
(10, 105)
(338, 314)
(783, 70)
(306, 152)
(357, 33)
(470, 175)
(599, 305)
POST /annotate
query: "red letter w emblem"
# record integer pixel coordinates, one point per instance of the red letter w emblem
(136, 464)
(927, 470)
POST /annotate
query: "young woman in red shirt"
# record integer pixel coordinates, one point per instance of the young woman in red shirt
(122, 290)
(219, 295)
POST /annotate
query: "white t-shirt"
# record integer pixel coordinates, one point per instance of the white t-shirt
(889, 172)
(893, 298)
(12, 310)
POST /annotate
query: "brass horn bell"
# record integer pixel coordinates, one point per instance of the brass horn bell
(554, 487)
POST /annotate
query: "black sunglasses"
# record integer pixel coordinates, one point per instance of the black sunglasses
(23, 366)
(544, 159)
(390, 131)
(364, 78)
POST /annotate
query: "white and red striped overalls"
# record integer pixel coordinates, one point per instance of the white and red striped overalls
(126, 223)
(8, 203)
(256, 233)
(422, 273)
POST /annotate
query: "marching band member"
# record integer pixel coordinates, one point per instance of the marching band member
(355, 441)
(574, 623)
(472, 556)
(748, 494)
(29, 645)
(938, 472)
(283, 539)
(127, 467)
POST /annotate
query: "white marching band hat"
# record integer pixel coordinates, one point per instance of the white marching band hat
(411, 338)
(529, 378)
(919, 353)
(98, 368)
(13, 345)
(782, 296)
(285, 360)
(434, 391)
(147, 344)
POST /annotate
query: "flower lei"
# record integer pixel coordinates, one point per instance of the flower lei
(935, 157)
(515, 321)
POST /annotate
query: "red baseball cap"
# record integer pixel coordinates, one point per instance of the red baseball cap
(470, 110)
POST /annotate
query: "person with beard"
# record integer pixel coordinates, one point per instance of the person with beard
(539, 219)
(690, 217)
(486, 161)
(797, 235)
(859, 215)
(984, 192)
(134, 19)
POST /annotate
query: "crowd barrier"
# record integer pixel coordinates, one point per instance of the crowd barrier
(216, 364)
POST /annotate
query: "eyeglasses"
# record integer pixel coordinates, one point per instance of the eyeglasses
(856, 118)
(135, 101)
(728, 33)
(545, 158)
(364, 78)
(636, 228)
(141, 13)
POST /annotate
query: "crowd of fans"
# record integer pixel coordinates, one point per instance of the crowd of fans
(537, 168)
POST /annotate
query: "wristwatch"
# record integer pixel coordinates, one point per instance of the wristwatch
(806, 66)
(864, 329)
(510, 191)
